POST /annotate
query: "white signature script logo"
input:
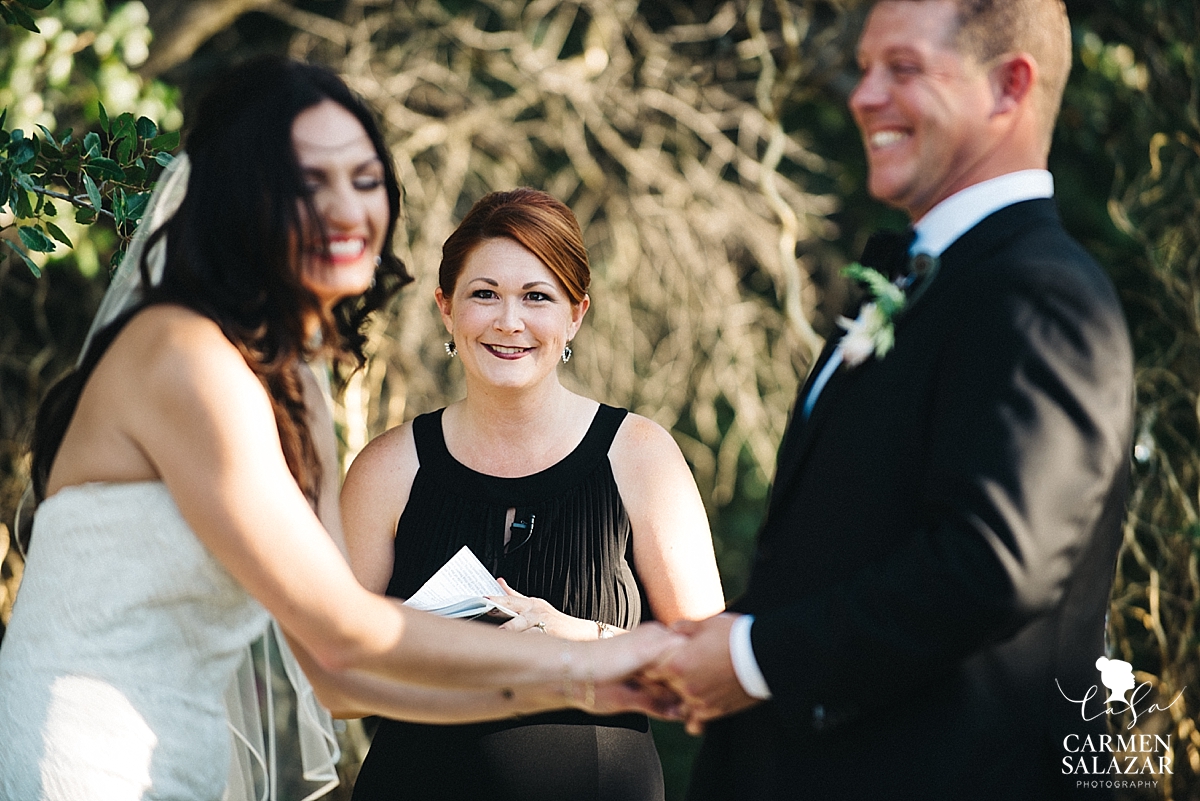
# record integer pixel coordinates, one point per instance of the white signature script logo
(1117, 676)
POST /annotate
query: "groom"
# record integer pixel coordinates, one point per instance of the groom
(938, 552)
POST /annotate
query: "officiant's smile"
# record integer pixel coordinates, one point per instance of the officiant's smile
(586, 511)
(510, 316)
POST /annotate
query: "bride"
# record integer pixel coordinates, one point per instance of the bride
(187, 480)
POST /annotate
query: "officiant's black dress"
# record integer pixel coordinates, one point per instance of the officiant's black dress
(571, 546)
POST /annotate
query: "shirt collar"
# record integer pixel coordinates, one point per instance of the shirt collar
(960, 212)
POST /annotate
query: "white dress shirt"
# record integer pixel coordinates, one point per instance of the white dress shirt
(936, 231)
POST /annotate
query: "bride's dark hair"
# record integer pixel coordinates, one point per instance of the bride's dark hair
(231, 251)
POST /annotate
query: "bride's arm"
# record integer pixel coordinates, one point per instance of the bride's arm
(205, 423)
(375, 494)
(353, 694)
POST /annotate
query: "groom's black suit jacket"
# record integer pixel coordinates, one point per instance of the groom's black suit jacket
(940, 541)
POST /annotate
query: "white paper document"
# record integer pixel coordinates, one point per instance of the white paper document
(458, 589)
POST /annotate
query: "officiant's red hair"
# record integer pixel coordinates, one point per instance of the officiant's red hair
(537, 221)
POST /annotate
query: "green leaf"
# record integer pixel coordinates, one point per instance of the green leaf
(91, 143)
(58, 234)
(125, 150)
(50, 210)
(7, 16)
(146, 128)
(123, 127)
(166, 141)
(105, 168)
(36, 5)
(887, 295)
(34, 239)
(33, 268)
(49, 136)
(22, 18)
(23, 152)
(24, 181)
(164, 158)
(135, 206)
(22, 208)
(93, 192)
(103, 118)
(118, 208)
(85, 216)
(3, 117)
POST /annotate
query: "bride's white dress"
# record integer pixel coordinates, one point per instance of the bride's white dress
(123, 641)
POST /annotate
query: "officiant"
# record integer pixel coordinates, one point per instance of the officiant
(578, 506)
(939, 547)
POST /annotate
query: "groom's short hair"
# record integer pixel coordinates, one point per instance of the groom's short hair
(987, 29)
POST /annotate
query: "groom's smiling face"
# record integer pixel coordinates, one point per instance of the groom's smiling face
(921, 106)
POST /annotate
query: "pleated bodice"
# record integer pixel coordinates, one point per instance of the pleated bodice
(571, 544)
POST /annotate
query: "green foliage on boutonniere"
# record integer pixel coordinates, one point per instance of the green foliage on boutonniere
(873, 331)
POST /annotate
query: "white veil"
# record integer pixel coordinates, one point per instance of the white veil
(125, 289)
(269, 686)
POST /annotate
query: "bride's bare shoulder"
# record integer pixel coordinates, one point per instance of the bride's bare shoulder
(170, 351)
(166, 327)
(174, 337)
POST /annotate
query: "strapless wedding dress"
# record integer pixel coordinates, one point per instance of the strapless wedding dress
(123, 642)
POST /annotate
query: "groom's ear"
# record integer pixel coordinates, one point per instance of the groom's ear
(1013, 79)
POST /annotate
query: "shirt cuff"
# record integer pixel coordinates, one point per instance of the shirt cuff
(745, 666)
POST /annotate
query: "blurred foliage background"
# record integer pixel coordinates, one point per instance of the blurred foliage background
(706, 149)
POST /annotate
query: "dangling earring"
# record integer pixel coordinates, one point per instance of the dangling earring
(451, 349)
(566, 354)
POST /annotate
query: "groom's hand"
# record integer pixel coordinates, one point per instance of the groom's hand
(701, 672)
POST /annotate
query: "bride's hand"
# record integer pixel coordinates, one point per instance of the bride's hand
(614, 669)
(539, 617)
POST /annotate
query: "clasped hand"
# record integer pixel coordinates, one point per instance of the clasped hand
(690, 678)
(693, 680)
(700, 672)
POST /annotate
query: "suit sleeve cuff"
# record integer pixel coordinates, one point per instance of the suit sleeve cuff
(745, 666)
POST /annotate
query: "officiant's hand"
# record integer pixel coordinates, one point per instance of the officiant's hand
(701, 672)
(539, 617)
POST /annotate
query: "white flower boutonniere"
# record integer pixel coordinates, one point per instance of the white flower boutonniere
(872, 332)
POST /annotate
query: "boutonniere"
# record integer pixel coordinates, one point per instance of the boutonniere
(873, 331)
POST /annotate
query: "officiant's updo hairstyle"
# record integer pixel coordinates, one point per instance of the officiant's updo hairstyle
(537, 221)
(230, 250)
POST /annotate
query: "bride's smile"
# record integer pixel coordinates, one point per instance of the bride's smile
(343, 182)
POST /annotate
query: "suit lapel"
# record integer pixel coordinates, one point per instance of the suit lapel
(799, 432)
(988, 235)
